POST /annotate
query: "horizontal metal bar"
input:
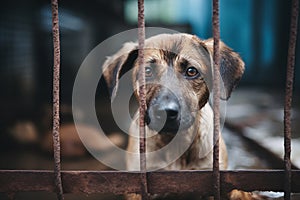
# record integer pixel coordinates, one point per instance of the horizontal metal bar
(116, 182)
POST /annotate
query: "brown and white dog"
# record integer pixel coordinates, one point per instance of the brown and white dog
(178, 72)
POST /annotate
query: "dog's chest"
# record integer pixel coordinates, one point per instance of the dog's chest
(182, 155)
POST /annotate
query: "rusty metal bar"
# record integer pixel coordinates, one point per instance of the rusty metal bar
(216, 99)
(142, 97)
(289, 97)
(160, 182)
(56, 120)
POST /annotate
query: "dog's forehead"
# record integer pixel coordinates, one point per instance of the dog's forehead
(169, 42)
(179, 46)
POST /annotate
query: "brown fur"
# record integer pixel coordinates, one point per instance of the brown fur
(170, 55)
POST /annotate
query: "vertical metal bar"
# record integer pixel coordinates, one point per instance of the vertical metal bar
(56, 120)
(142, 95)
(289, 97)
(216, 98)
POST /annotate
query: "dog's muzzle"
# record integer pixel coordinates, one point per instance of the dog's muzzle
(164, 114)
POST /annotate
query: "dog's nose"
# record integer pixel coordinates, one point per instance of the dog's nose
(164, 113)
(168, 111)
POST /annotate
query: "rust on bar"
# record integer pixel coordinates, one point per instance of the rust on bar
(216, 99)
(142, 97)
(289, 97)
(160, 182)
(56, 120)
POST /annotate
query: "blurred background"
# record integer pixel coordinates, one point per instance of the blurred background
(257, 29)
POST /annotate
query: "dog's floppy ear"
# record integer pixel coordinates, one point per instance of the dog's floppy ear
(231, 67)
(117, 65)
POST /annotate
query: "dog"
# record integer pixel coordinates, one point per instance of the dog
(179, 118)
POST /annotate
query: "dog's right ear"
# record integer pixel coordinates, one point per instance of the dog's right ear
(232, 67)
(117, 65)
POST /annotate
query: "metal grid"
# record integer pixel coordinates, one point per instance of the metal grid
(204, 182)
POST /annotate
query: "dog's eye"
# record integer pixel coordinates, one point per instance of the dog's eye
(191, 72)
(148, 71)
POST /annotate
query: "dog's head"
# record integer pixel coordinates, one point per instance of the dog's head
(178, 71)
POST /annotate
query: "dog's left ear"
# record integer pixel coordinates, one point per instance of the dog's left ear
(231, 66)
